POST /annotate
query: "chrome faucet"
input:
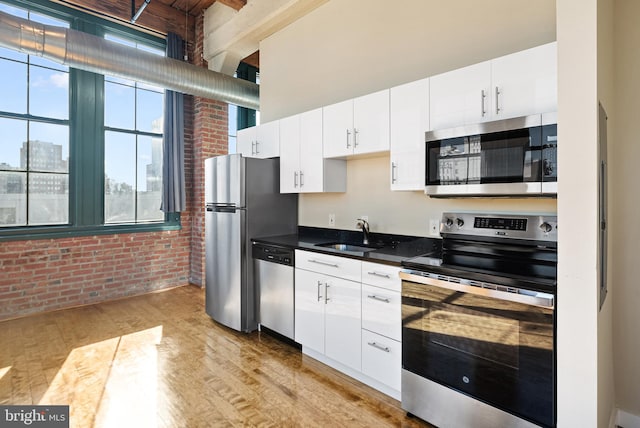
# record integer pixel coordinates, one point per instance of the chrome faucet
(364, 225)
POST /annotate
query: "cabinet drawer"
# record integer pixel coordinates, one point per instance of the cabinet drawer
(381, 359)
(381, 311)
(341, 267)
(381, 275)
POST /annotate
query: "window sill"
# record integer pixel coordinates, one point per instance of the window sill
(54, 232)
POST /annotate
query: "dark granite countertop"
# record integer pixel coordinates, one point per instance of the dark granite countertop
(388, 248)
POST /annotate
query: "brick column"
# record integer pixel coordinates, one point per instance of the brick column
(210, 138)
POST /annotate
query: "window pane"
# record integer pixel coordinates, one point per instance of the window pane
(119, 106)
(149, 179)
(13, 199)
(149, 109)
(48, 93)
(48, 199)
(48, 147)
(120, 177)
(13, 86)
(13, 137)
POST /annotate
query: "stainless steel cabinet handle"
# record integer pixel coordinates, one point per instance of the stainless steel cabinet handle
(319, 295)
(497, 100)
(348, 135)
(323, 263)
(253, 148)
(355, 137)
(326, 292)
(393, 172)
(381, 275)
(295, 179)
(380, 347)
(482, 98)
(301, 178)
(257, 147)
(379, 299)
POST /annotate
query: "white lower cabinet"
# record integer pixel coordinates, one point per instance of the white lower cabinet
(328, 309)
(382, 359)
(346, 323)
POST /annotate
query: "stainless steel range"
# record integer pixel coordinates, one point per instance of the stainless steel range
(478, 325)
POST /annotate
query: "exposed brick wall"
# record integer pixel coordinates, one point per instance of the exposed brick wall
(211, 138)
(48, 274)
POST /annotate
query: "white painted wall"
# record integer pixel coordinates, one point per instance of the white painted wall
(624, 155)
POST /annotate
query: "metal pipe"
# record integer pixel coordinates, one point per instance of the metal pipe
(91, 53)
(139, 12)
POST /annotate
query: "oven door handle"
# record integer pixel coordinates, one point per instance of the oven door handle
(527, 297)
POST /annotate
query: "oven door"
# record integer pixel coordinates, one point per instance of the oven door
(495, 346)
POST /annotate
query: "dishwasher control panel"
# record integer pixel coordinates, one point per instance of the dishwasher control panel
(272, 253)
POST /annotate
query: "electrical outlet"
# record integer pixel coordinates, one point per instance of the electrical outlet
(434, 227)
(332, 220)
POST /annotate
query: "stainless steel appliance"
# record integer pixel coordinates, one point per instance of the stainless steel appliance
(273, 267)
(242, 200)
(507, 157)
(478, 325)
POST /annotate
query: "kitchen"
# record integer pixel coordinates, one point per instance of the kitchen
(394, 59)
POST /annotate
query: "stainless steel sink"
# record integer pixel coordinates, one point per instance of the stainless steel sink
(346, 247)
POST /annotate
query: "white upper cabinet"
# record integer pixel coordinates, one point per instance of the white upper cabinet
(357, 126)
(460, 96)
(514, 85)
(409, 113)
(302, 166)
(525, 82)
(260, 141)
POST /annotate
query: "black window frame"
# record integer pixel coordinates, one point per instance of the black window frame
(87, 137)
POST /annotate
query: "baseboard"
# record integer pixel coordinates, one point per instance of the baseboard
(627, 420)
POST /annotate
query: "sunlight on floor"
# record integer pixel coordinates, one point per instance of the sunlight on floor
(4, 371)
(110, 383)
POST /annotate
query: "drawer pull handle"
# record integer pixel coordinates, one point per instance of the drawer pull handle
(323, 263)
(319, 295)
(379, 299)
(381, 275)
(380, 347)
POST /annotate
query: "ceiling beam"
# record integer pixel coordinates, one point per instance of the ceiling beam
(230, 35)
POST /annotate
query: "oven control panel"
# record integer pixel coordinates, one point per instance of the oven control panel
(528, 227)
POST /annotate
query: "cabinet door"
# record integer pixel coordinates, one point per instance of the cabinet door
(525, 82)
(337, 129)
(290, 154)
(343, 321)
(268, 140)
(371, 123)
(309, 309)
(409, 120)
(382, 359)
(381, 311)
(311, 160)
(246, 142)
(460, 96)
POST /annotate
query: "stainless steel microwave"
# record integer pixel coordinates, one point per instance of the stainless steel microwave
(508, 157)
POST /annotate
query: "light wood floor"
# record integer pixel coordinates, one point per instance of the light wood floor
(159, 361)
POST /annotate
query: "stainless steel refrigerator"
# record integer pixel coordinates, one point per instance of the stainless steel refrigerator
(243, 201)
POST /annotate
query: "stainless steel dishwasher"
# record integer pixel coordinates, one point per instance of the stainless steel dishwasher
(273, 266)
